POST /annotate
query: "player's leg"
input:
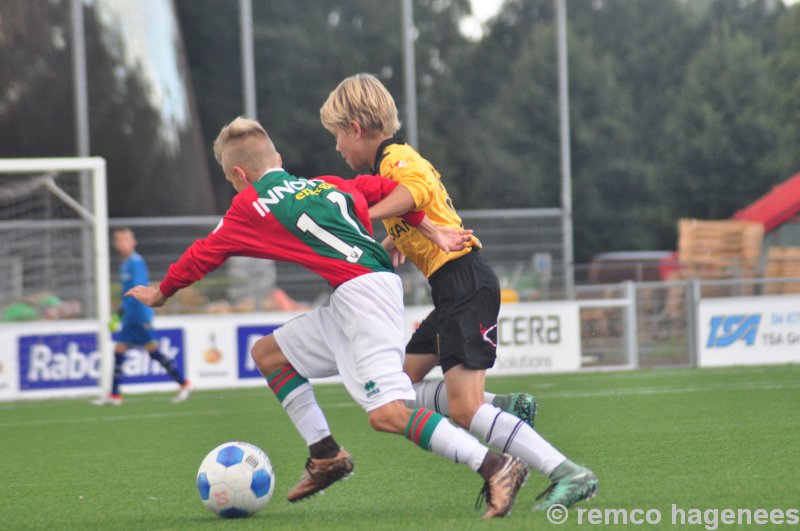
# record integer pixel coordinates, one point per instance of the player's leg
(370, 311)
(503, 474)
(115, 397)
(287, 359)
(432, 394)
(467, 338)
(145, 336)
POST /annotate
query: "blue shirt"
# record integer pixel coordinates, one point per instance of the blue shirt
(133, 272)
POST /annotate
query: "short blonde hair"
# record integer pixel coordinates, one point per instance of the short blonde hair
(244, 142)
(361, 98)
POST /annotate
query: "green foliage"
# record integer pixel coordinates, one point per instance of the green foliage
(654, 438)
(677, 108)
(721, 132)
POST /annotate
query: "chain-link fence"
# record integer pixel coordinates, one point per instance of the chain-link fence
(524, 246)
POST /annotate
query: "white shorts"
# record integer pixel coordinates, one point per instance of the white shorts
(359, 335)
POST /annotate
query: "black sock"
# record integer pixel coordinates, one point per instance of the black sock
(324, 449)
(491, 464)
(168, 364)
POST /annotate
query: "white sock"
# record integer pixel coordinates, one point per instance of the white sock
(432, 394)
(511, 435)
(457, 445)
(432, 432)
(301, 406)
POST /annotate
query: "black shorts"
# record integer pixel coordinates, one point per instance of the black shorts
(462, 328)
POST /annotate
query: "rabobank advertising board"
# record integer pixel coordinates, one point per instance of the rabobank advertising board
(72, 360)
(748, 331)
(61, 358)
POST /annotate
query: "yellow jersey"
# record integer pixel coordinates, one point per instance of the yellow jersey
(401, 163)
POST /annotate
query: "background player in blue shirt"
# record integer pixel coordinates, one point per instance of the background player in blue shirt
(137, 320)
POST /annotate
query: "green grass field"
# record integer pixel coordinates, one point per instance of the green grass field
(706, 439)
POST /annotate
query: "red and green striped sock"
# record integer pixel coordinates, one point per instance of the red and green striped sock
(426, 429)
(284, 381)
(421, 425)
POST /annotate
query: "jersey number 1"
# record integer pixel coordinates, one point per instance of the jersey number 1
(305, 223)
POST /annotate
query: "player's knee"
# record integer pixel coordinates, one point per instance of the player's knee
(391, 418)
(267, 355)
(462, 412)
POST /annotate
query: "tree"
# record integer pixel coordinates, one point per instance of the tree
(721, 132)
(784, 65)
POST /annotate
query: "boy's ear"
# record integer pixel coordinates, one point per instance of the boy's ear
(239, 173)
(356, 129)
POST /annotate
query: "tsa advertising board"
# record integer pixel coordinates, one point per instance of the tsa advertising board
(748, 331)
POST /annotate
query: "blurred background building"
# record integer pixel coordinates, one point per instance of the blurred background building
(142, 115)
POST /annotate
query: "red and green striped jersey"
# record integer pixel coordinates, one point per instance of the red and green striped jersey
(321, 223)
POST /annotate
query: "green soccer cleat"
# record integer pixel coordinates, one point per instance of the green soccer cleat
(521, 405)
(571, 484)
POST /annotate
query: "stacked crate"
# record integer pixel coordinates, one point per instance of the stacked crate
(783, 262)
(715, 249)
(719, 249)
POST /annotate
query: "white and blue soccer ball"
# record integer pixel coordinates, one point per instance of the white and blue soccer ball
(235, 480)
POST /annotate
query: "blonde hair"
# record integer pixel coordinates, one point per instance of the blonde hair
(361, 98)
(244, 142)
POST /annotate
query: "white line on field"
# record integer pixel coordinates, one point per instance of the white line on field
(633, 391)
(641, 391)
(159, 415)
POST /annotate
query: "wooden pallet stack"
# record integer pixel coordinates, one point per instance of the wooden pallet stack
(782, 262)
(719, 249)
(715, 249)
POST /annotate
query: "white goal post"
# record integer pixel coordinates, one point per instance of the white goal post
(85, 202)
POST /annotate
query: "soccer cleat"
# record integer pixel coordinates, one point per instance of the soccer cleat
(114, 400)
(183, 394)
(521, 405)
(571, 484)
(320, 474)
(501, 489)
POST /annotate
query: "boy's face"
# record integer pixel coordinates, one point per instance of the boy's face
(124, 243)
(351, 144)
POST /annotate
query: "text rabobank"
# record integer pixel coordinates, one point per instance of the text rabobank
(72, 360)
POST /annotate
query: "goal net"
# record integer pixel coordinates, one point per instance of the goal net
(54, 262)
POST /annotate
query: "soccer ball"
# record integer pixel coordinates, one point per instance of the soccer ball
(235, 479)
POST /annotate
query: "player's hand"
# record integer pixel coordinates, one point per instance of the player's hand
(398, 257)
(448, 239)
(147, 295)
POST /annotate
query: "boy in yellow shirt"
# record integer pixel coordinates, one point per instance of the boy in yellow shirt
(460, 334)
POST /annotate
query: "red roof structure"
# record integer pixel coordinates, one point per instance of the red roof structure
(781, 204)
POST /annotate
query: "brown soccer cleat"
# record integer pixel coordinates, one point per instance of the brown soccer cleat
(320, 474)
(501, 489)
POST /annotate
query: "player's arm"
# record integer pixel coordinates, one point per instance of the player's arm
(387, 199)
(147, 295)
(195, 263)
(390, 199)
(202, 257)
(396, 203)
